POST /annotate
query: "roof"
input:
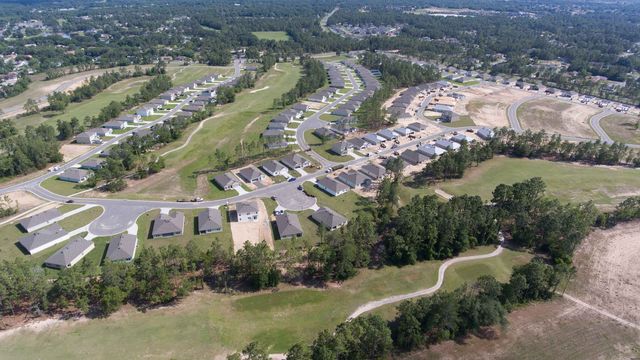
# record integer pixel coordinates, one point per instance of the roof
(209, 219)
(387, 134)
(250, 173)
(41, 237)
(288, 224)
(75, 174)
(372, 138)
(357, 143)
(328, 218)
(431, 150)
(332, 185)
(122, 247)
(341, 147)
(272, 166)
(413, 157)
(92, 163)
(273, 133)
(225, 179)
(248, 207)
(417, 126)
(352, 178)
(293, 160)
(373, 170)
(168, 224)
(40, 218)
(64, 256)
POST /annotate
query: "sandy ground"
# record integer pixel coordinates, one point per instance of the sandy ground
(254, 232)
(27, 202)
(71, 151)
(557, 116)
(487, 104)
(608, 271)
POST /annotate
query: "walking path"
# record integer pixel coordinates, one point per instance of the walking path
(601, 312)
(186, 143)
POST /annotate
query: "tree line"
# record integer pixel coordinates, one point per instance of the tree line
(314, 77)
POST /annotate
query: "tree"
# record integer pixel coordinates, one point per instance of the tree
(31, 106)
(299, 352)
(111, 299)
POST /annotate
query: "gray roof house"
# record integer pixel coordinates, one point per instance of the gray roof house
(329, 218)
(331, 186)
(413, 157)
(43, 239)
(288, 225)
(403, 131)
(39, 220)
(416, 126)
(251, 174)
(388, 134)
(102, 131)
(373, 171)
(276, 126)
(122, 247)
(324, 132)
(114, 124)
(92, 164)
(485, 133)
(372, 139)
(166, 225)
(209, 221)
(431, 151)
(75, 175)
(273, 168)
(226, 181)
(74, 251)
(358, 143)
(460, 138)
(301, 107)
(354, 178)
(247, 211)
(295, 161)
(447, 145)
(88, 137)
(341, 148)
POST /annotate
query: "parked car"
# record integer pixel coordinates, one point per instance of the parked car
(70, 201)
(292, 179)
(197, 199)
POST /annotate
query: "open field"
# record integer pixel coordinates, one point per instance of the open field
(272, 35)
(605, 186)
(487, 104)
(555, 116)
(236, 121)
(62, 187)
(557, 329)
(207, 324)
(181, 75)
(622, 128)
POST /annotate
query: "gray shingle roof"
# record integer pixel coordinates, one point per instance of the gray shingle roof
(288, 225)
(250, 173)
(39, 218)
(64, 257)
(248, 207)
(209, 220)
(226, 179)
(294, 161)
(332, 185)
(165, 224)
(373, 170)
(42, 237)
(272, 166)
(329, 218)
(122, 247)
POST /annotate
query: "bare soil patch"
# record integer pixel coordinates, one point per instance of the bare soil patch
(254, 232)
(555, 116)
(71, 151)
(608, 271)
(487, 104)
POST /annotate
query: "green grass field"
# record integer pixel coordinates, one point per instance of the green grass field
(622, 128)
(207, 324)
(346, 204)
(323, 149)
(62, 187)
(181, 75)
(462, 121)
(567, 182)
(272, 35)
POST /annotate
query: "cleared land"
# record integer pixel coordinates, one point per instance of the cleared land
(622, 128)
(207, 323)
(555, 116)
(272, 35)
(487, 104)
(605, 186)
(253, 232)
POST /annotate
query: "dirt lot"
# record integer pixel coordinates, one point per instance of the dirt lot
(558, 329)
(70, 151)
(27, 201)
(608, 271)
(557, 116)
(254, 232)
(487, 104)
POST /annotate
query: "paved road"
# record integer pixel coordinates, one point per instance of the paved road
(595, 125)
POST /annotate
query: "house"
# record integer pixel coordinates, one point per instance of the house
(318, 97)
(329, 218)
(43, 239)
(115, 124)
(358, 143)
(354, 179)
(373, 139)
(129, 118)
(460, 138)
(273, 135)
(102, 131)
(413, 157)
(39, 220)
(88, 137)
(342, 111)
(75, 175)
(341, 148)
(373, 171)
(447, 145)
(295, 161)
(388, 134)
(167, 225)
(273, 168)
(485, 133)
(332, 186)
(226, 181)
(251, 174)
(288, 225)
(276, 126)
(122, 247)
(192, 108)
(159, 102)
(146, 110)
(247, 211)
(92, 164)
(74, 251)
(416, 126)
(403, 131)
(209, 221)
(143, 132)
(281, 144)
(324, 132)
(169, 95)
(431, 151)
(301, 107)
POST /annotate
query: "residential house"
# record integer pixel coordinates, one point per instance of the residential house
(146, 110)
(251, 174)
(416, 126)
(129, 118)
(92, 164)
(226, 181)
(324, 132)
(373, 139)
(209, 221)
(431, 151)
(39, 220)
(341, 148)
(122, 247)
(102, 131)
(75, 175)
(192, 108)
(358, 143)
(247, 211)
(182, 115)
(318, 97)
(167, 225)
(447, 145)
(403, 131)
(276, 126)
(288, 225)
(158, 102)
(43, 238)
(88, 137)
(273, 168)
(115, 125)
(72, 253)
(331, 186)
(354, 179)
(142, 132)
(388, 134)
(301, 107)
(460, 138)
(485, 133)
(374, 171)
(329, 218)
(295, 161)
(413, 157)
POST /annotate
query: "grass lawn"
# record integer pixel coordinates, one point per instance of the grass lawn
(81, 219)
(462, 121)
(242, 120)
(207, 324)
(329, 117)
(622, 128)
(181, 75)
(346, 204)
(567, 182)
(62, 187)
(90, 107)
(145, 222)
(272, 35)
(323, 149)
